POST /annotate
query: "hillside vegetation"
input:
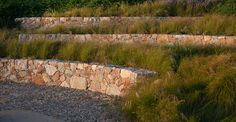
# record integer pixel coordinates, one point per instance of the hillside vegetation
(18, 8)
(10, 9)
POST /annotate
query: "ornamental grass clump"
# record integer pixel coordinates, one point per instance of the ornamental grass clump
(203, 86)
(149, 102)
(39, 49)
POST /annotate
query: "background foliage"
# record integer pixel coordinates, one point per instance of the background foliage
(10, 9)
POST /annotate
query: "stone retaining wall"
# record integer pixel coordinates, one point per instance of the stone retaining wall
(136, 38)
(47, 22)
(110, 80)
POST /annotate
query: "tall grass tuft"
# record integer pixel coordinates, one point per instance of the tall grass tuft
(39, 49)
(149, 102)
(203, 85)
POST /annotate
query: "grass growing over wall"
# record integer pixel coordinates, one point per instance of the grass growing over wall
(142, 56)
(208, 25)
(153, 57)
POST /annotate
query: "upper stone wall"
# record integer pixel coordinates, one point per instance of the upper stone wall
(111, 80)
(166, 39)
(48, 22)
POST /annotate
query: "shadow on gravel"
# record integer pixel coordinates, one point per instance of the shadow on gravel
(57, 102)
(25, 116)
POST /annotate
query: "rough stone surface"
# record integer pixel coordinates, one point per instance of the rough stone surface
(37, 79)
(125, 73)
(50, 69)
(65, 84)
(64, 104)
(78, 82)
(46, 78)
(112, 80)
(166, 39)
(113, 90)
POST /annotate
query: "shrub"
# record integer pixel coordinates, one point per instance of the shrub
(226, 7)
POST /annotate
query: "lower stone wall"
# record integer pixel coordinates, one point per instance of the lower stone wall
(109, 80)
(136, 38)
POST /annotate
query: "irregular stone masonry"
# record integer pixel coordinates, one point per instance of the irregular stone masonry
(136, 38)
(111, 80)
(48, 22)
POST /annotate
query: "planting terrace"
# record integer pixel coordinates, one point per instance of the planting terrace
(84, 63)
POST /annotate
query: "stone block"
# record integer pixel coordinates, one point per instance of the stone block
(78, 83)
(38, 79)
(46, 78)
(112, 89)
(50, 70)
(56, 77)
(125, 73)
(65, 84)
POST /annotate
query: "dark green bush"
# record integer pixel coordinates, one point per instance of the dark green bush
(226, 7)
(19, 8)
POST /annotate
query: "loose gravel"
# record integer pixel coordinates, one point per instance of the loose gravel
(60, 103)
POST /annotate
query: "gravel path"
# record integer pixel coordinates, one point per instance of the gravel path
(60, 103)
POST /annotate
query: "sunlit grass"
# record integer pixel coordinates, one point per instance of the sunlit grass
(208, 25)
(201, 90)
